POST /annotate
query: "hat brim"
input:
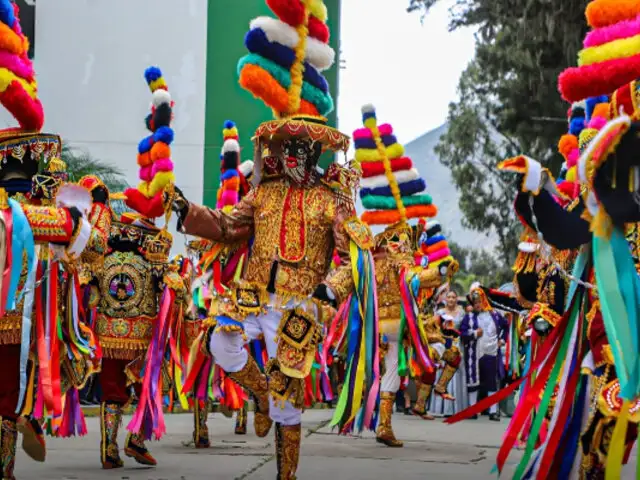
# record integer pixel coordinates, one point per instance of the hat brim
(287, 128)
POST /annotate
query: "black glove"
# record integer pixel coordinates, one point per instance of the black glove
(180, 205)
(323, 294)
(100, 194)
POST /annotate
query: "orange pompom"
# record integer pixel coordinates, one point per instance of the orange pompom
(566, 144)
(263, 86)
(232, 184)
(159, 151)
(144, 159)
(11, 41)
(389, 217)
(601, 110)
(602, 13)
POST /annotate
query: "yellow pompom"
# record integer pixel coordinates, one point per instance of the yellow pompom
(143, 187)
(161, 180)
(572, 174)
(318, 9)
(156, 84)
(370, 122)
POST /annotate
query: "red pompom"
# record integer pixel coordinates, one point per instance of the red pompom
(579, 83)
(318, 30)
(26, 110)
(147, 207)
(290, 12)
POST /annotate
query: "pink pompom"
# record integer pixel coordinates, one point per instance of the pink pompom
(145, 174)
(365, 133)
(573, 157)
(439, 255)
(162, 165)
(597, 122)
(617, 31)
(228, 197)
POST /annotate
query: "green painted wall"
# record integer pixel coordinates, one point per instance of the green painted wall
(227, 23)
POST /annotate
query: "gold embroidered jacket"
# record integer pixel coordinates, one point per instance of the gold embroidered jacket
(388, 271)
(126, 289)
(295, 230)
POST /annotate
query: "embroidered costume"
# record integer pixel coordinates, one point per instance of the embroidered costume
(45, 233)
(392, 190)
(139, 296)
(295, 216)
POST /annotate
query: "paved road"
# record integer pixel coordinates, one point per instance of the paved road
(432, 450)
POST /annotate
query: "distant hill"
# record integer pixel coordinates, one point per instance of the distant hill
(440, 186)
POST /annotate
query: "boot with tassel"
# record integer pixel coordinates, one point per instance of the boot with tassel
(419, 409)
(200, 428)
(110, 419)
(255, 382)
(385, 434)
(443, 382)
(8, 438)
(135, 448)
(288, 439)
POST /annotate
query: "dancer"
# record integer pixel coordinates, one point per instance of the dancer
(392, 195)
(28, 229)
(139, 296)
(296, 216)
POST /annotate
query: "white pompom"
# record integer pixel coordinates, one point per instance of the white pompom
(368, 108)
(246, 167)
(231, 145)
(160, 97)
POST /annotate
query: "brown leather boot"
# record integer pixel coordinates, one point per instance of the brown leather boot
(110, 419)
(419, 408)
(441, 387)
(8, 438)
(241, 421)
(255, 382)
(287, 450)
(200, 429)
(385, 434)
(33, 442)
(135, 448)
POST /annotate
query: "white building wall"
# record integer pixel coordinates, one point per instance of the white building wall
(90, 58)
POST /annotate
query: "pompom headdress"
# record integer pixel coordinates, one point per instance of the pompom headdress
(232, 181)
(284, 70)
(392, 189)
(611, 54)
(154, 151)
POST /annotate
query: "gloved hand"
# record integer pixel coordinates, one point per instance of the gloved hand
(541, 326)
(325, 295)
(533, 176)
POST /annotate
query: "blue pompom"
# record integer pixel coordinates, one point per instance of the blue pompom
(592, 102)
(7, 15)
(145, 144)
(164, 135)
(152, 74)
(228, 124)
(576, 126)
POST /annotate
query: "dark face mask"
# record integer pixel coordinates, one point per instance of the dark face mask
(45, 186)
(300, 157)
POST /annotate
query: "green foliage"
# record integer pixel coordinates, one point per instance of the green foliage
(508, 103)
(478, 265)
(81, 163)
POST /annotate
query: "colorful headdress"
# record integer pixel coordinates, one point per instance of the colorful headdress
(611, 54)
(154, 152)
(230, 181)
(477, 292)
(433, 248)
(23, 148)
(392, 189)
(283, 69)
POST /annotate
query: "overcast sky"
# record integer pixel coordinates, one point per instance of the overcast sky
(409, 70)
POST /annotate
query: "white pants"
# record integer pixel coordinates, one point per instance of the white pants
(230, 354)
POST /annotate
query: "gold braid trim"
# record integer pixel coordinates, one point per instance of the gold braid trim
(123, 349)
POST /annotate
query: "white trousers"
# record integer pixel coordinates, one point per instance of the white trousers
(229, 353)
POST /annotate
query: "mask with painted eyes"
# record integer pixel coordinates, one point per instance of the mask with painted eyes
(300, 157)
(398, 245)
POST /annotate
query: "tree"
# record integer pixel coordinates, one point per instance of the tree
(508, 102)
